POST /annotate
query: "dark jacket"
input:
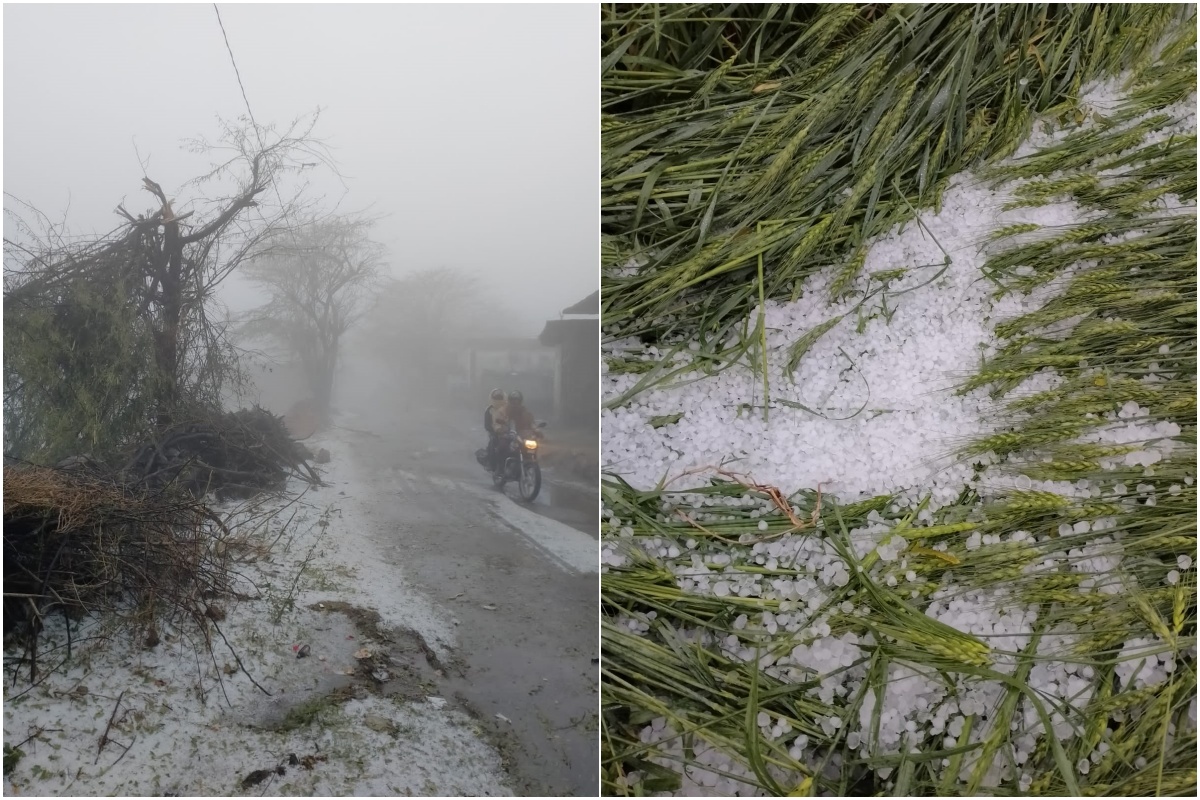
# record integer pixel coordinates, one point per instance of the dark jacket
(521, 419)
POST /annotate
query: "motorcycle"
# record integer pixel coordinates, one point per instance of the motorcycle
(520, 463)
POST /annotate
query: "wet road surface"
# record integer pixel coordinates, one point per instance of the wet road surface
(520, 581)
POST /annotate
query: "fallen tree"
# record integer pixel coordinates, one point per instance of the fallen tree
(110, 337)
(113, 349)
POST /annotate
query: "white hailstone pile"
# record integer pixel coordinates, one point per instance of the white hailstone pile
(709, 771)
(895, 374)
(1133, 425)
(870, 411)
(1151, 669)
(870, 408)
(918, 710)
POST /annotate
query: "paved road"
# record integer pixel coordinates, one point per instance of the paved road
(521, 583)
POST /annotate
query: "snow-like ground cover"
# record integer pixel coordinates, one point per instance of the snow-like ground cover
(869, 414)
(188, 723)
(871, 406)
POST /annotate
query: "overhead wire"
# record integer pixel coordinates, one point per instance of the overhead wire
(250, 112)
(237, 73)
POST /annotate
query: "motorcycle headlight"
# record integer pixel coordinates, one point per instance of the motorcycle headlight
(531, 444)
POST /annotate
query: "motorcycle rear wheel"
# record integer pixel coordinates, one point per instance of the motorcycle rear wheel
(531, 482)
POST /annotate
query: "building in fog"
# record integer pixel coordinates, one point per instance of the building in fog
(576, 337)
(522, 365)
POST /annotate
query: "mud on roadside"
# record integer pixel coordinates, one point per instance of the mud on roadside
(398, 664)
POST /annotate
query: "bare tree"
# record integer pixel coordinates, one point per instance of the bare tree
(318, 277)
(109, 335)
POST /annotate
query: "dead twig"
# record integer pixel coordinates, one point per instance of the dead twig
(124, 752)
(107, 728)
(239, 660)
(38, 732)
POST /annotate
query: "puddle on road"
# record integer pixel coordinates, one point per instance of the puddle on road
(401, 663)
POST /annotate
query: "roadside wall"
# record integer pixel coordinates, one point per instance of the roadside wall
(579, 345)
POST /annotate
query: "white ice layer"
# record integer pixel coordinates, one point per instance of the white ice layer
(896, 367)
(880, 414)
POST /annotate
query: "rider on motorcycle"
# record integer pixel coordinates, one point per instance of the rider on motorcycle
(514, 417)
(522, 421)
(512, 450)
(494, 422)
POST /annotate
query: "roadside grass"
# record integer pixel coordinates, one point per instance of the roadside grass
(318, 709)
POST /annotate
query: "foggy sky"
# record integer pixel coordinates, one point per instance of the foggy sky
(473, 128)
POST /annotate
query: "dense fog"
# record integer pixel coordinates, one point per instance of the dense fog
(470, 180)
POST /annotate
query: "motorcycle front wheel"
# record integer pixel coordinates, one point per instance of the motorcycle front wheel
(531, 481)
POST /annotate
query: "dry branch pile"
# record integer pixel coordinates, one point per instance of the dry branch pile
(138, 542)
(77, 542)
(236, 454)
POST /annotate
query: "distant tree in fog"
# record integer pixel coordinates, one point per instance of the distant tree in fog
(421, 319)
(319, 277)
